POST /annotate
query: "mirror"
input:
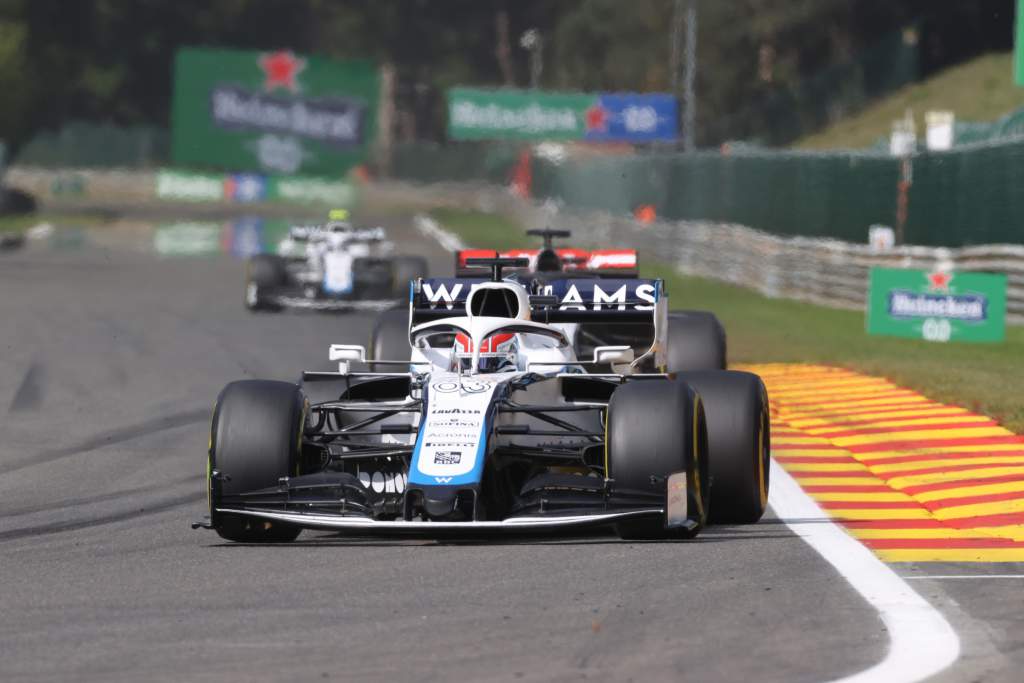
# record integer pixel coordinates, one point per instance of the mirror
(619, 357)
(345, 354)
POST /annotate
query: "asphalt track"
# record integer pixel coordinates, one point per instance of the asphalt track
(110, 360)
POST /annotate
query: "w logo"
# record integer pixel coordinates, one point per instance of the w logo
(442, 480)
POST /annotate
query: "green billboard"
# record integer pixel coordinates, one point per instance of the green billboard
(475, 114)
(275, 112)
(937, 306)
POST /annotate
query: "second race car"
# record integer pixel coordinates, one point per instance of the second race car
(331, 267)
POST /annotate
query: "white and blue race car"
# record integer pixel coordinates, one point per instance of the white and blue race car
(489, 422)
(334, 266)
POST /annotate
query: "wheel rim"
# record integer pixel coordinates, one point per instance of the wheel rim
(763, 458)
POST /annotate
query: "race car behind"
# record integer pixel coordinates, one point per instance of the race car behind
(700, 336)
(333, 266)
(570, 261)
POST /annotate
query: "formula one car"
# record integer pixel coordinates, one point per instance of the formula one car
(333, 266)
(491, 423)
(701, 341)
(599, 263)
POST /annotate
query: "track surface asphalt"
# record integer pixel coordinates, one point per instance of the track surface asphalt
(110, 360)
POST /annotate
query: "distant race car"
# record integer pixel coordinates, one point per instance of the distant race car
(581, 262)
(489, 422)
(333, 266)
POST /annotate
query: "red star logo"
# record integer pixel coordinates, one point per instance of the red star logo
(596, 118)
(939, 281)
(280, 69)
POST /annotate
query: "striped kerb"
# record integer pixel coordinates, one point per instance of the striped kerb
(914, 480)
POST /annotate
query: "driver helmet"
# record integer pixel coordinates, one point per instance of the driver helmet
(498, 353)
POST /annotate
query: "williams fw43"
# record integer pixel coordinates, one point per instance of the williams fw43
(490, 422)
(331, 267)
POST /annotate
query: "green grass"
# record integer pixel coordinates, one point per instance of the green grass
(22, 222)
(987, 378)
(979, 90)
(483, 230)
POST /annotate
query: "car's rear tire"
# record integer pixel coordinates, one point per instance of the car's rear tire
(390, 337)
(404, 269)
(656, 428)
(739, 438)
(696, 341)
(255, 440)
(371, 278)
(264, 273)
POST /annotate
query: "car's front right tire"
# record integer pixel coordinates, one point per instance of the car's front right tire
(264, 273)
(255, 440)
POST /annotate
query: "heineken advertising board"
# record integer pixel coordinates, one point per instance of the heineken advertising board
(253, 187)
(937, 306)
(538, 115)
(271, 111)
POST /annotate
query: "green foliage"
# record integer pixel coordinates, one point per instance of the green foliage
(979, 90)
(766, 68)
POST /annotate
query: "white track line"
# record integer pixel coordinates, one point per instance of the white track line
(429, 227)
(944, 577)
(921, 642)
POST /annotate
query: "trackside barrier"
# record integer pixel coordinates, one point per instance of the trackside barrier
(822, 271)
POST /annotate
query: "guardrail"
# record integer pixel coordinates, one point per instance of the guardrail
(828, 272)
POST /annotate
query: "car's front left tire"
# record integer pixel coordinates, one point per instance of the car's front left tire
(389, 339)
(656, 428)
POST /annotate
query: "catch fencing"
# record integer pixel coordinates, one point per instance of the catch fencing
(966, 196)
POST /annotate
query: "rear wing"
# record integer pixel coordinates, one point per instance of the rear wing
(598, 263)
(631, 311)
(564, 300)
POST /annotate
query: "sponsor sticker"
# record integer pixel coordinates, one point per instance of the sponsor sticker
(447, 457)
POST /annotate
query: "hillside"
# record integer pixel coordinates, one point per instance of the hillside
(979, 90)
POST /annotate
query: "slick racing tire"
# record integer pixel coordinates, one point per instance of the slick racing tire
(739, 440)
(696, 341)
(390, 337)
(255, 440)
(371, 278)
(656, 428)
(404, 269)
(264, 273)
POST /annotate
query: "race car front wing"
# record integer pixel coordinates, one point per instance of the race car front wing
(524, 523)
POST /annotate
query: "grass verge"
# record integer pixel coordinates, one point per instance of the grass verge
(986, 378)
(979, 90)
(22, 222)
